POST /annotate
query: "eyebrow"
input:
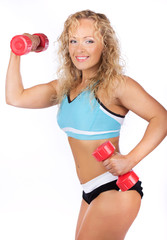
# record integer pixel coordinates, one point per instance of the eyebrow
(84, 37)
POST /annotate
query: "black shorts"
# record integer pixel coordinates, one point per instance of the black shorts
(89, 197)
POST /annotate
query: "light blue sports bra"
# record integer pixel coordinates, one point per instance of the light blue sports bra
(86, 118)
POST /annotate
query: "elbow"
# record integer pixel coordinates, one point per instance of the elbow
(164, 117)
(163, 122)
(8, 101)
(159, 121)
(11, 102)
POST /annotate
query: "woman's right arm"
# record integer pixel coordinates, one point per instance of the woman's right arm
(39, 96)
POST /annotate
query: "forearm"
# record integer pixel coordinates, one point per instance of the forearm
(14, 85)
(154, 134)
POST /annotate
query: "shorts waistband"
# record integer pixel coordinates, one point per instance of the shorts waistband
(98, 181)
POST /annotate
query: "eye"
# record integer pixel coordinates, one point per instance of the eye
(89, 41)
(72, 41)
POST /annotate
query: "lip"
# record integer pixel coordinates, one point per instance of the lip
(81, 58)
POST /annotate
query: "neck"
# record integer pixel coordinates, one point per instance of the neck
(87, 74)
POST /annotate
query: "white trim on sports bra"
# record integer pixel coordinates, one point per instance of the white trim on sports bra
(73, 130)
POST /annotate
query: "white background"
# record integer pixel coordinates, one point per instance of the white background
(39, 191)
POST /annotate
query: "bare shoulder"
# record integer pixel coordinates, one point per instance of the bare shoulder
(54, 84)
(134, 97)
(128, 88)
(126, 84)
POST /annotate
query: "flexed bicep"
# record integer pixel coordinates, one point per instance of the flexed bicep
(39, 96)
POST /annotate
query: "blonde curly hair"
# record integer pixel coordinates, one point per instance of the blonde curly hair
(111, 67)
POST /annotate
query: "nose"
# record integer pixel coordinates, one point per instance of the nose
(80, 48)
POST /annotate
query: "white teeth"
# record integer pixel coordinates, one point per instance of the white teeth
(81, 58)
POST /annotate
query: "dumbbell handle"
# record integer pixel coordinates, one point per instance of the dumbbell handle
(125, 181)
(44, 42)
(22, 44)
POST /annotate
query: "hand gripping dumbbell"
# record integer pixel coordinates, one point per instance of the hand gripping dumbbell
(21, 44)
(125, 181)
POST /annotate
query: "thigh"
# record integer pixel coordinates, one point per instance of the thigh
(82, 213)
(110, 215)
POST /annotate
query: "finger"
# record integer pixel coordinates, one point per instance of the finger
(106, 162)
(109, 167)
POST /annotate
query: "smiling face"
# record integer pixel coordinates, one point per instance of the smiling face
(85, 47)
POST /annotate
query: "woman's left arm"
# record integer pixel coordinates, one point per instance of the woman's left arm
(135, 98)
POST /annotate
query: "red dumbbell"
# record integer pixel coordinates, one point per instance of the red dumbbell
(125, 181)
(21, 44)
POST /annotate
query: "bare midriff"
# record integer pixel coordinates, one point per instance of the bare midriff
(87, 166)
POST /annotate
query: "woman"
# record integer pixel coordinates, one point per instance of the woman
(94, 98)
